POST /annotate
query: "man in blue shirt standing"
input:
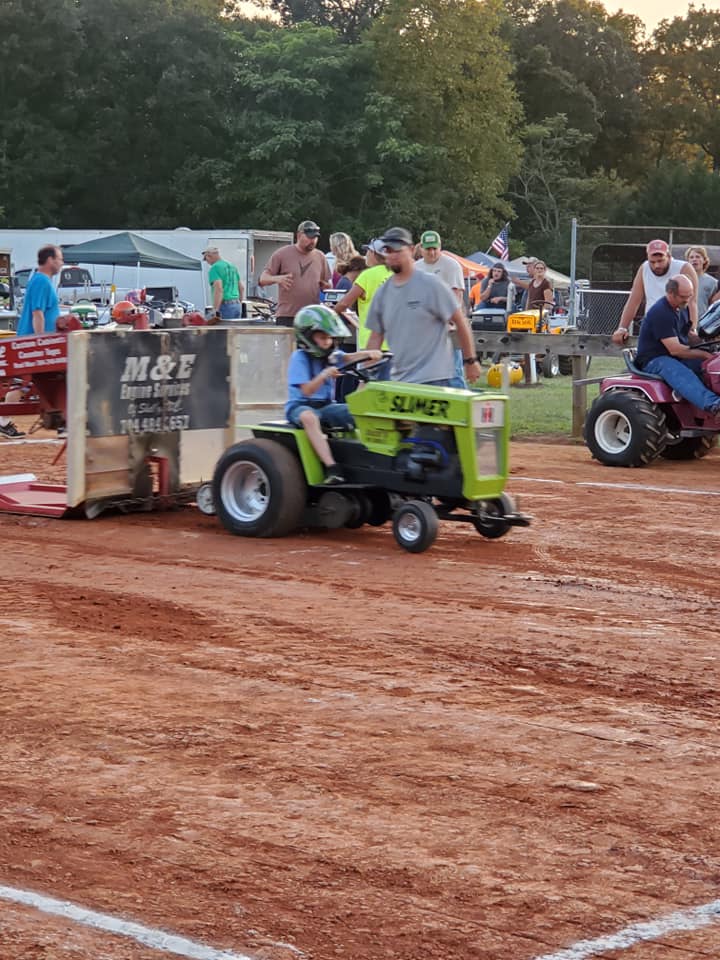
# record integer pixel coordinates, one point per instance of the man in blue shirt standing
(664, 346)
(40, 306)
(39, 313)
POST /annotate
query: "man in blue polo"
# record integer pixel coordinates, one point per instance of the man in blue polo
(40, 306)
(664, 346)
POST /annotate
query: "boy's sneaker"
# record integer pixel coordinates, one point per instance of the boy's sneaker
(62, 433)
(10, 431)
(333, 475)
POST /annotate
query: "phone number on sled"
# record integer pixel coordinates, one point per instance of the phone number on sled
(155, 424)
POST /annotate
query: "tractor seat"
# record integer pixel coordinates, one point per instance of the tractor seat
(629, 357)
(332, 432)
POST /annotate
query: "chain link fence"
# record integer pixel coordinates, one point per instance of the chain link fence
(605, 258)
(598, 311)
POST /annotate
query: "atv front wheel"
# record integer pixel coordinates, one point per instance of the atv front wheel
(415, 525)
(624, 429)
(690, 448)
(259, 489)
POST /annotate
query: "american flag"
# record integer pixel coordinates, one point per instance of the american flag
(501, 243)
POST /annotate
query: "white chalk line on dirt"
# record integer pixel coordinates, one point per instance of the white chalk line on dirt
(148, 936)
(645, 488)
(681, 921)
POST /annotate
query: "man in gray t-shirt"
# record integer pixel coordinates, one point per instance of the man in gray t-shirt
(412, 311)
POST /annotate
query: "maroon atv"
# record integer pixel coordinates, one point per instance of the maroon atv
(638, 417)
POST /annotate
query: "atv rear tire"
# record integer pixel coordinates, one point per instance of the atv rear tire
(259, 489)
(690, 448)
(415, 525)
(624, 429)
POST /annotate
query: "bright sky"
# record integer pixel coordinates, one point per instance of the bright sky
(653, 11)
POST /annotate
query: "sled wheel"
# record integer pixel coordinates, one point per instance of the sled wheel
(690, 448)
(493, 529)
(415, 526)
(204, 500)
(624, 429)
(259, 489)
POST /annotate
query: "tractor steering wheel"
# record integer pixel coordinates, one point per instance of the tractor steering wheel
(361, 372)
(709, 346)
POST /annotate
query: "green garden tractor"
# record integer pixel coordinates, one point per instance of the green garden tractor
(418, 454)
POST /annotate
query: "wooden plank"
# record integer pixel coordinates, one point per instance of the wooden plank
(564, 344)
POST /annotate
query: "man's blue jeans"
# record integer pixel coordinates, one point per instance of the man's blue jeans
(684, 376)
(230, 310)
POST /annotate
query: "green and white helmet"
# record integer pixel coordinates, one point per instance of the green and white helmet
(317, 318)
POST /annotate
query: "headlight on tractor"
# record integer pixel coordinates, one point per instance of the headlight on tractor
(488, 423)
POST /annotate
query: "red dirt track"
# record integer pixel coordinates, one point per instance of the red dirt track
(324, 747)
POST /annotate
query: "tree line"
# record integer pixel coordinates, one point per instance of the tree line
(448, 114)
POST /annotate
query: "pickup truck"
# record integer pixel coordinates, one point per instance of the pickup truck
(74, 283)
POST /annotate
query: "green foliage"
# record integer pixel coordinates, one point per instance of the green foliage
(572, 57)
(309, 135)
(103, 104)
(39, 51)
(683, 93)
(552, 187)
(348, 17)
(677, 194)
(446, 75)
(358, 113)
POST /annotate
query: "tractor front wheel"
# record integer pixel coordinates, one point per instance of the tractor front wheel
(566, 365)
(550, 365)
(624, 429)
(259, 489)
(489, 516)
(415, 525)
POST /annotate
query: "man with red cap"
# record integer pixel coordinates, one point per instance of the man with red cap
(649, 285)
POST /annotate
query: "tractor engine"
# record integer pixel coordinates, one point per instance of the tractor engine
(428, 450)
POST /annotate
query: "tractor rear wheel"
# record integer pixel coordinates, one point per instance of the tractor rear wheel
(259, 489)
(690, 448)
(624, 429)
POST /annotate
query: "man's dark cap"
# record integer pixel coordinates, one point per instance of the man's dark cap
(397, 237)
(309, 227)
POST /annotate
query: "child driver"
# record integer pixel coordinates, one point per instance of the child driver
(311, 376)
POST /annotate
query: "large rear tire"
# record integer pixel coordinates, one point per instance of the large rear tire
(624, 429)
(690, 448)
(259, 489)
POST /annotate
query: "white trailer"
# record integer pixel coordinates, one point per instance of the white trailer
(249, 250)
